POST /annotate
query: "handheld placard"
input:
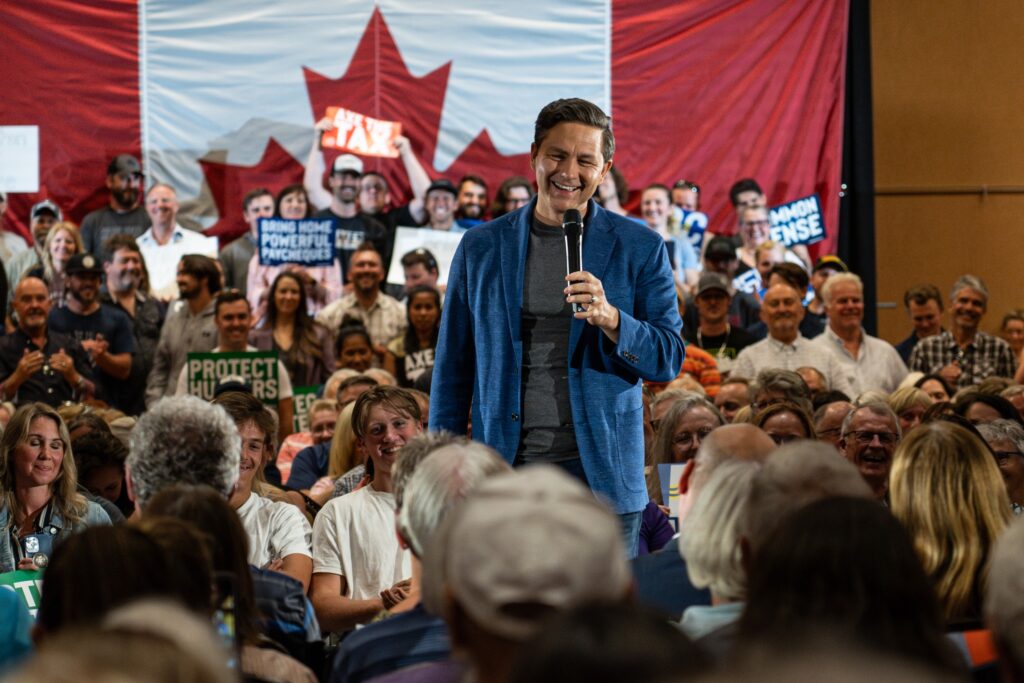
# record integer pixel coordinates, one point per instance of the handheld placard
(572, 226)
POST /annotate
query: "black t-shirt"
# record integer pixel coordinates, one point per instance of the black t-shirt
(354, 231)
(116, 328)
(723, 347)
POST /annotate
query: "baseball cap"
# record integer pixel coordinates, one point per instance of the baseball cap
(348, 163)
(713, 281)
(83, 263)
(124, 163)
(232, 383)
(830, 261)
(46, 205)
(720, 249)
(443, 184)
(522, 545)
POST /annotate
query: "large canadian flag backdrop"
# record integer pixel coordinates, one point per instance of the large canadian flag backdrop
(220, 96)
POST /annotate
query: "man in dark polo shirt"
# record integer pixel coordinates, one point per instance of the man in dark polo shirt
(124, 214)
(103, 331)
(37, 364)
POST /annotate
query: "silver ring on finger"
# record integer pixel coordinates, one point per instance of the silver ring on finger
(594, 298)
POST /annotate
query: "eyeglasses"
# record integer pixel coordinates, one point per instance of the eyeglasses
(1003, 457)
(686, 185)
(885, 438)
(688, 439)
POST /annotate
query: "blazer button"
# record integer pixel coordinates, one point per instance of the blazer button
(515, 417)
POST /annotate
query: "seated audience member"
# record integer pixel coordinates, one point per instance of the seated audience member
(685, 426)
(662, 402)
(710, 543)
(227, 544)
(817, 383)
(824, 268)
(947, 491)
(978, 408)
(785, 347)
(964, 355)
(15, 626)
(353, 347)
(936, 387)
(868, 439)
(233, 319)
(828, 421)
(777, 386)
(656, 207)
(661, 578)
(100, 458)
(796, 277)
(993, 385)
(1005, 438)
(382, 315)
(1015, 395)
(486, 573)
(279, 536)
(607, 643)
(41, 507)
(1012, 332)
(166, 242)
(236, 258)
(346, 462)
(924, 308)
(190, 325)
(39, 364)
(868, 362)
(182, 440)
(321, 284)
(713, 332)
(785, 422)
(514, 193)
(909, 404)
(869, 589)
(448, 469)
(304, 345)
(733, 394)
(322, 415)
(411, 354)
(1004, 600)
(357, 561)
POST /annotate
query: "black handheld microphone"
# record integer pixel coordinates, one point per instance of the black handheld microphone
(572, 226)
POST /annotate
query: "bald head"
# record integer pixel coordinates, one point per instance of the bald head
(730, 442)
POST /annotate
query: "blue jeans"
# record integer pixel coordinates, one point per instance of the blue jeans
(630, 520)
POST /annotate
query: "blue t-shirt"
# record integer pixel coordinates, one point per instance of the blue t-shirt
(309, 465)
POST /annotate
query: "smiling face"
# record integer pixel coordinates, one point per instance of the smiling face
(84, 287)
(655, 207)
(845, 307)
(355, 353)
(254, 441)
(926, 318)
(260, 206)
(62, 248)
(124, 270)
(1013, 333)
(373, 194)
(233, 321)
(782, 312)
(38, 459)
(869, 444)
(569, 165)
(366, 271)
(162, 205)
(472, 199)
(294, 206)
(423, 311)
(968, 308)
(322, 426)
(344, 185)
(754, 226)
(286, 295)
(440, 206)
(386, 432)
(41, 225)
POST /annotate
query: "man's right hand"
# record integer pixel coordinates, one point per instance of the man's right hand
(31, 362)
(951, 373)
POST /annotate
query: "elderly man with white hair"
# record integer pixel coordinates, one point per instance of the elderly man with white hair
(867, 362)
(433, 473)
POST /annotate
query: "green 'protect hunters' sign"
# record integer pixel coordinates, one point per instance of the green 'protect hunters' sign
(258, 369)
(26, 585)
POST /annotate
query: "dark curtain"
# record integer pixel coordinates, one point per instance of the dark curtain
(857, 207)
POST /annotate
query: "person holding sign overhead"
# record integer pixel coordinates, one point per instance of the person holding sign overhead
(551, 365)
(233, 318)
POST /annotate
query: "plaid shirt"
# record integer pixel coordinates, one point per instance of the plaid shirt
(984, 357)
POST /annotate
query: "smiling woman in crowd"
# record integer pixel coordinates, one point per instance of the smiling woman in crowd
(39, 502)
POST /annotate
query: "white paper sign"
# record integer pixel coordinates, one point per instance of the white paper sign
(440, 243)
(19, 158)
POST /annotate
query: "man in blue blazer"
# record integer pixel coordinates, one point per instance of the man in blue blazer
(546, 384)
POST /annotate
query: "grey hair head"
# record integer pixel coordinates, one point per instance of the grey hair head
(446, 476)
(969, 282)
(412, 454)
(879, 408)
(787, 382)
(1003, 430)
(183, 440)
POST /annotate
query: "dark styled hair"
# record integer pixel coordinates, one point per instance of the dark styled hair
(475, 179)
(412, 340)
(420, 255)
(501, 196)
(575, 110)
(996, 403)
(121, 240)
(937, 378)
(743, 185)
(922, 294)
(792, 274)
(306, 346)
(350, 327)
(292, 189)
(202, 268)
(228, 296)
(255, 194)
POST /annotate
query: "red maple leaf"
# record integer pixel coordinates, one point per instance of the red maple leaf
(228, 184)
(377, 83)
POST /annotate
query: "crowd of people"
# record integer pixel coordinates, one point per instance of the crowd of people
(686, 461)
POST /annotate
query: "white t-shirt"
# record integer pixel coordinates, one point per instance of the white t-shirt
(275, 529)
(284, 382)
(162, 259)
(354, 537)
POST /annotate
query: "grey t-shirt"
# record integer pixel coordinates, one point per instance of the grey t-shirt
(104, 223)
(547, 431)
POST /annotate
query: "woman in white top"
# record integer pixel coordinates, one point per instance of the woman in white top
(279, 535)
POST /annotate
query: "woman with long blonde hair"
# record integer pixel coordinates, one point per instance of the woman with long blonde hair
(946, 490)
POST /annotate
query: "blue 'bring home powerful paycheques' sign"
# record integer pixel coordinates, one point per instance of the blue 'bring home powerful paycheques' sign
(798, 222)
(307, 241)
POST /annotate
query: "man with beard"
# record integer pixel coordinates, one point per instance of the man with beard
(103, 331)
(383, 316)
(472, 201)
(963, 355)
(440, 204)
(785, 347)
(869, 436)
(189, 327)
(43, 216)
(124, 275)
(124, 213)
(37, 364)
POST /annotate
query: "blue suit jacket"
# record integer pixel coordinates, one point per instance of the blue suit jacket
(479, 351)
